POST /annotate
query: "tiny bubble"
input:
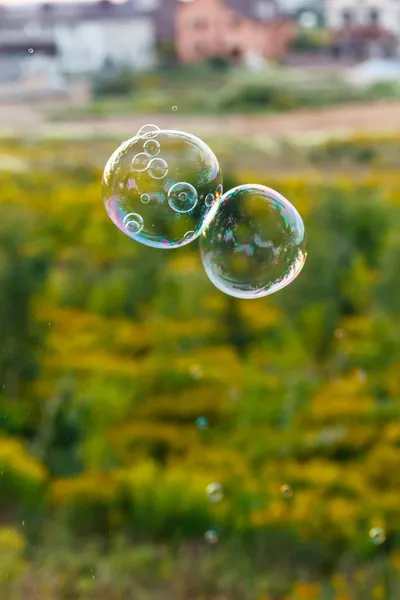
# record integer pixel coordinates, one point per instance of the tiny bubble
(174, 108)
(189, 235)
(30, 50)
(211, 536)
(209, 201)
(215, 492)
(377, 535)
(202, 423)
(145, 198)
(286, 491)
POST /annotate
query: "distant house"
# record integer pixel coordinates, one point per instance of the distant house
(81, 37)
(364, 29)
(231, 29)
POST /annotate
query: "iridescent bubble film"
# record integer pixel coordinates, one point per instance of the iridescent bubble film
(163, 177)
(254, 242)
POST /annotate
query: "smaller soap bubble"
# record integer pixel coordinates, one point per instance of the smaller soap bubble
(148, 131)
(174, 108)
(30, 50)
(151, 147)
(211, 536)
(182, 197)
(196, 371)
(220, 190)
(145, 198)
(133, 223)
(158, 168)
(202, 423)
(286, 491)
(215, 492)
(209, 201)
(377, 535)
(189, 235)
(141, 161)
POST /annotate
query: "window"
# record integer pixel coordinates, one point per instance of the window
(374, 16)
(348, 17)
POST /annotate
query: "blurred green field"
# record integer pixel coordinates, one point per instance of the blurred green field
(207, 89)
(110, 352)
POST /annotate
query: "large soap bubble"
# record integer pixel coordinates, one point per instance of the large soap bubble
(155, 187)
(253, 243)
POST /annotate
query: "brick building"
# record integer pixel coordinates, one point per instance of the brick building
(231, 29)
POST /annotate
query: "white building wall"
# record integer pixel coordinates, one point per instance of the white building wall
(80, 46)
(85, 46)
(388, 10)
(131, 43)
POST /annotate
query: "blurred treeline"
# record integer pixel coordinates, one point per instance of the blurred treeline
(110, 351)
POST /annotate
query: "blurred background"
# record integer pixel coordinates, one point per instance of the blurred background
(128, 383)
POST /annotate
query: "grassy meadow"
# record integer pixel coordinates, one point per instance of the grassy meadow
(110, 351)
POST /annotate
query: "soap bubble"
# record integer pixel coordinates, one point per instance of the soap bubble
(148, 131)
(215, 492)
(158, 168)
(30, 50)
(286, 491)
(210, 200)
(132, 176)
(182, 197)
(141, 161)
(253, 243)
(151, 147)
(174, 108)
(377, 536)
(202, 423)
(133, 223)
(211, 536)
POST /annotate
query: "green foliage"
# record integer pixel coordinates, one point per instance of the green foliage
(114, 82)
(113, 350)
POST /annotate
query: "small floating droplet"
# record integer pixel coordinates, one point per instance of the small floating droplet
(202, 423)
(286, 491)
(215, 492)
(211, 536)
(377, 535)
